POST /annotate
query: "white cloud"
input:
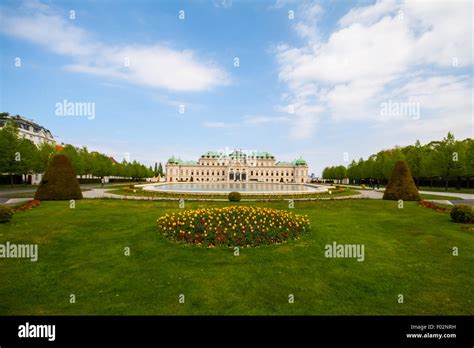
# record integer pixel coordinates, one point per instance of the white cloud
(222, 3)
(443, 31)
(308, 14)
(380, 51)
(445, 105)
(368, 15)
(282, 3)
(156, 66)
(50, 31)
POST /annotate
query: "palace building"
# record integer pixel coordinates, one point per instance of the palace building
(237, 166)
(29, 130)
(33, 132)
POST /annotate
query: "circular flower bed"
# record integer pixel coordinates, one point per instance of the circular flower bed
(233, 226)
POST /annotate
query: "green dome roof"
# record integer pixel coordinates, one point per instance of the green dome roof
(174, 160)
(300, 162)
(263, 155)
(212, 154)
(283, 163)
(237, 154)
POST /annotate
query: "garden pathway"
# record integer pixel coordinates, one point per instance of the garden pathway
(370, 194)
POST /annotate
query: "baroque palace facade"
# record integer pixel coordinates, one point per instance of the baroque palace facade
(237, 166)
(29, 130)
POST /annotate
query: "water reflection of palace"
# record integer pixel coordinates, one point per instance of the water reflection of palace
(237, 167)
(222, 186)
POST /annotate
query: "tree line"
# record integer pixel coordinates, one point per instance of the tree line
(20, 156)
(447, 159)
(158, 170)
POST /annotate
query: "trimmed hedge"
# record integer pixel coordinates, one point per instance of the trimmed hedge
(6, 214)
(462, 213)
(59, 182)
(235, 197)
(401, 184)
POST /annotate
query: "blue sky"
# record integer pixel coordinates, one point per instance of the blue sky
(335, 63)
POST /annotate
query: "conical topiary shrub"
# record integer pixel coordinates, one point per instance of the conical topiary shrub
(401, 184)
(59, 182)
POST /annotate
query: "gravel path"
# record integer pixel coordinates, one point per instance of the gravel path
(367, 194)
(466, 196)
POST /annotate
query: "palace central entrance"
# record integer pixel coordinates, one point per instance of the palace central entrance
(237, 176)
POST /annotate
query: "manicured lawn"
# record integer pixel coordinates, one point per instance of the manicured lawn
(17, 194)
(26, 194)
(81, 251)
(450, 189)
(18, 187)
(449, 198)
(432, 189)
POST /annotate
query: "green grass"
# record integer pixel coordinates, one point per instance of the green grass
(81, 251)
(26, 194)
(17, 195)
(427, 188)
(18, 187)
(450, 189)
(448, 198)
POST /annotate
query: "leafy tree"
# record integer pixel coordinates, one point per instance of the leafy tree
(29, 160)
(10, 154)
(21, 156)
(416, 159)
(340, 172)
(73, 155)
(370, 168)
(45, 152)
(445, 159)
(84, 162)
(469, 160)
(389, 158)
(353, 172)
